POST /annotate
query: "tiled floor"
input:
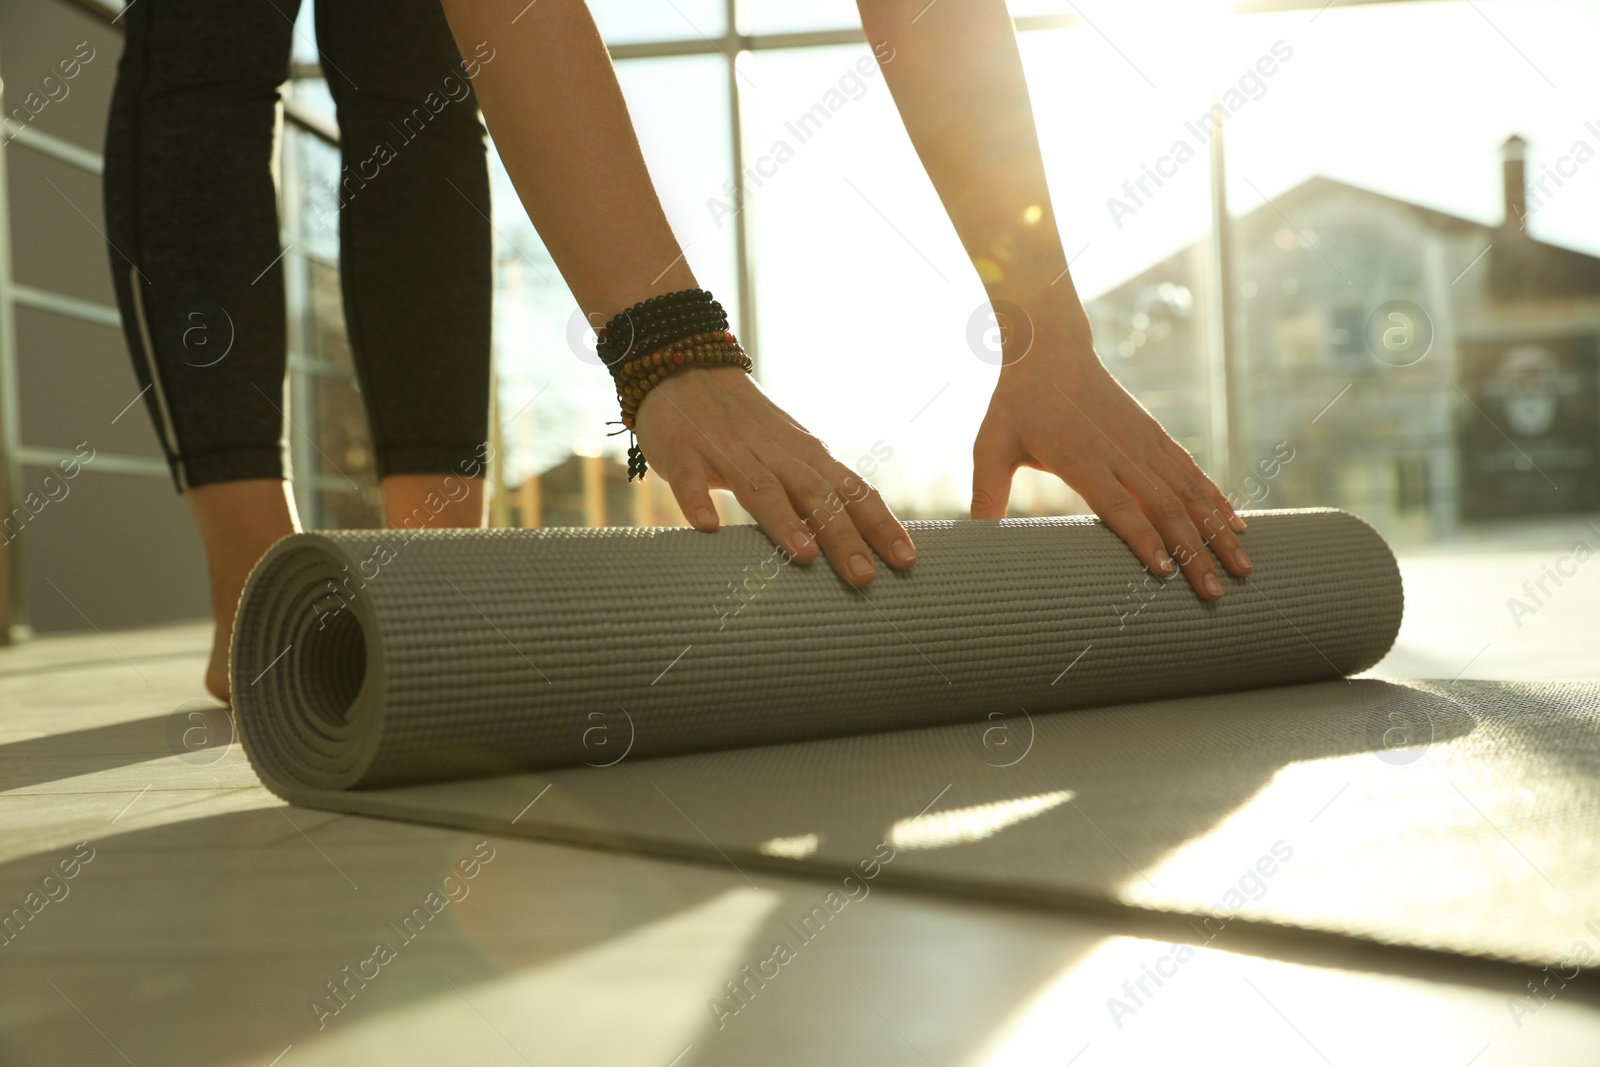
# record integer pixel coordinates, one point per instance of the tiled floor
(211, 919)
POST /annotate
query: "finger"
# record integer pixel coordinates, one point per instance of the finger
(871, 515)
(822, 508)
(1203, 513)
(692, 491)
(992, 467)
(1169, 514)
(763, 495)
(1222, 506)
(1118, 510)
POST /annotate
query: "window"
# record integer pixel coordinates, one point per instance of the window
(1408, 210)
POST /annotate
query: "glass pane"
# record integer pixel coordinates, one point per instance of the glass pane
(1036, 8)
(304, 47)
(330, 340)
(1131, 189)
(345, 509)
(342, 437)
(309, 187)
(631, 21)
(555, 399)
(1417, 300)
(874, 328)
(785, 16)
(620, 22)
(312, 94)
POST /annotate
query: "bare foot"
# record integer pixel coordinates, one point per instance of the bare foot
(432, 501)
(238, 522)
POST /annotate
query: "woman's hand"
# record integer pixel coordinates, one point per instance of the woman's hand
(713, 428)
(1058, 409)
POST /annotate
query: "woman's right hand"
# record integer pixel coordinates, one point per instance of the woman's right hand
(707, 428)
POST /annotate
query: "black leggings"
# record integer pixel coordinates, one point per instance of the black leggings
(192, 215)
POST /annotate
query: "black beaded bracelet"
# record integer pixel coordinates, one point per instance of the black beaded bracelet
(656, 321)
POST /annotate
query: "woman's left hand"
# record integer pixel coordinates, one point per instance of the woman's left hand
(1057, 409)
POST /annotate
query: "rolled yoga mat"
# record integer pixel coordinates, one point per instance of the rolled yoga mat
(363, 660)
(670, 692)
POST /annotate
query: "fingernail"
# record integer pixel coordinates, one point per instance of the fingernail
(1241, 560)
(1163, 563)
(861, 566)
(1237, 524)
(902, 551)
(705, 517)
(799, 543)
(1212, 586)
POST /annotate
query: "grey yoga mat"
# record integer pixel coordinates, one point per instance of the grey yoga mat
(364, 659)
(1025, 715)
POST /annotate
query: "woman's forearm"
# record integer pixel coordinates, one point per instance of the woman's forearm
(957, 79)
(552, 102)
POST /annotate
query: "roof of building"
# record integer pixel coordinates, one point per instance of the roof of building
(1521, 267)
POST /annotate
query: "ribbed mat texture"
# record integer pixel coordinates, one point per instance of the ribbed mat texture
(367, 658)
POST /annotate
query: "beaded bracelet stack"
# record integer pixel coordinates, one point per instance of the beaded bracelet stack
(643, 344)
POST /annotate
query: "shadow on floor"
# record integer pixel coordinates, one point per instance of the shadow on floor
(193, 730)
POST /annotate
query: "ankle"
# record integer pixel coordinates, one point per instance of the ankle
(238, 522)
(433, 501)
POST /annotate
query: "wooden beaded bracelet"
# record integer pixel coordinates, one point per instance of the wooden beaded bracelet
(632, 390)
(675, 352)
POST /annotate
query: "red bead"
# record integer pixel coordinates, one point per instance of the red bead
(677, 357)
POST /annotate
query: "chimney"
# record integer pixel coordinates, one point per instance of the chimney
(1514, 175)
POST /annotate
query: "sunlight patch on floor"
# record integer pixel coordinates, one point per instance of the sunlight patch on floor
(960, 826)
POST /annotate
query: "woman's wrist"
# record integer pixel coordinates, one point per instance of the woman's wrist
(656, 338)
(1053, 334)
